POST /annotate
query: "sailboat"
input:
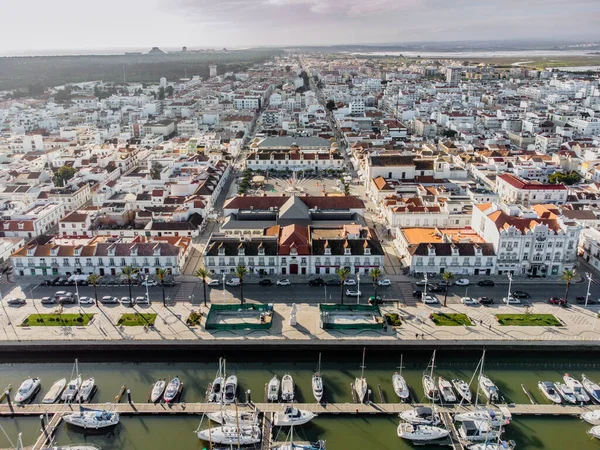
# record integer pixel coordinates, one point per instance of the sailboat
(92, 419)
(399, 383)
(429, 387)
(216, 389)
(70, 393)
(421, 433)
(319, 445)
(247, 433)
(317, 383)
(487, 386)
(360, 384)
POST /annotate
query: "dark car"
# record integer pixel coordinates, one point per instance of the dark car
(51, 281)
(485, 300)
(520, 294)
(168, 283)
(436, 288)
(59, 282)
(489, 283)
(557, 301)
(581, 301)
(375, 300)
(265, 282)
(417, 293)
(316, 282)
(334, 283)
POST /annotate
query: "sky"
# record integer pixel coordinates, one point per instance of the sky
(42, 25)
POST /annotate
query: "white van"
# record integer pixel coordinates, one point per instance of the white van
(233, 282)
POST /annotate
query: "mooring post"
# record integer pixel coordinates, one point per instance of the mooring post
(7, 394)
(248, 396)
(43, 425)
(129, 396)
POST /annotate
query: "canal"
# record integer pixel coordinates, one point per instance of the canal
(508, 370)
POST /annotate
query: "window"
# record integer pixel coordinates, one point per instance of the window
(88, 262)
(157, 262)
(283, 260)
(111, 261)
(231, 261)
(271, 261)
(123, 262)
(526, 256)
(503, 245)
(211, 261)
(527, 244)
(303, 260)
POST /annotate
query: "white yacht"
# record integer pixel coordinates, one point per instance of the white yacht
(158, 389)
(430, 389)
(400, 387)
(70, 393)
(489, 389)
(593, 389)
(463, 389)
(478, 430)
(172, 390)
(566, 393)
(273, 389)
(595, 431)
(287, 388)
(319, 445)
(232, 418)
(86, 391)
(421, 415)
(446, 390)
(577, 388)
(547, 388)
(27, 390)
(292, 416)
(496, 418)
(360, 384)
(54, 392)
(317, 383)
(92, 419)
(76, 447)
(230, 391)
(421, 433)
(216, 388)
(502, 445)
(231, 435)
(592, 417)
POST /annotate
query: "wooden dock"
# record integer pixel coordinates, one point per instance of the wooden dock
(267, 431)
(47, 433)
(455, 441)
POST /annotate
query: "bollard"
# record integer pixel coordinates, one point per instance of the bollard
(129, 396)
(43, 425)
(7, 394)
(248, 396)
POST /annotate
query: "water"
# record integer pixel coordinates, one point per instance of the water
(339, 370)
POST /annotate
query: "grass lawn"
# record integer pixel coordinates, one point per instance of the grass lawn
(57, 320)
(393, 319)
(529, 320)
(137, 320)
(450, 320)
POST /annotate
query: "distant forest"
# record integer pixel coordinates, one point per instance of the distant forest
(47, 71)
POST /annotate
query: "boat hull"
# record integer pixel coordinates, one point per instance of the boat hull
(158, 390)
(317, 387)
(172, 390)
(360, 387)
(53, 395)
(421, 433)
(231, 435)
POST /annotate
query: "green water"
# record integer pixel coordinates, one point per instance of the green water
(339, 370)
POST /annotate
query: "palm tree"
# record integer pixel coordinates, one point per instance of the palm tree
(160, 276)
(241, 272)
(447, 276)
(93, 280)
(343, 273)
(568, 276)
(129, 272)
(375, 273)
(202, 273)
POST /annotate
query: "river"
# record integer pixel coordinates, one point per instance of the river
(339, 369)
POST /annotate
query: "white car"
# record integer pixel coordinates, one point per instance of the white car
(233, 282)
(86, 300)
(462, 282)
(214, 282)
(422, 282)
(510, 300)
(428, 299)
(468, 301)
(284, 282)
(353, 293)
(149, 283)
(142, 300)
(349, 282)
(384, 282)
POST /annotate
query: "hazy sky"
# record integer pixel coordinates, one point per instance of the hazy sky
(68, 24)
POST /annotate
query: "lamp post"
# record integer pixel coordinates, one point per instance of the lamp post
(358, 289)
(589, 277)
(223, 278)
(425, 289)
(509, 285)
(77, 292)
(147, 292)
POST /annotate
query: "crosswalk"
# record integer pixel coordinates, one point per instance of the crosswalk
(406, 292)
(184, 292)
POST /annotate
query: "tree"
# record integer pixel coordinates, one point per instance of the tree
(169, 91)
(568, 276)
(155, 170)
(375, 273)
(93, 280)
(161, 93)
(562, 178)
(447, 276)
(330, 105)
(343, 273)
(64, 174)
(63, 95)
(160, 276)
(241, 272)
(202, 273)
(129, 273)
(346, 189)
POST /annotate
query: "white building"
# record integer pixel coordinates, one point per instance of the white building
(512, 189)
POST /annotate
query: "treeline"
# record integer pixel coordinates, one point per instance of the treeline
(47, 71)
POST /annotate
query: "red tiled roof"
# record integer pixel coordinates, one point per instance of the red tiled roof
(519, 183)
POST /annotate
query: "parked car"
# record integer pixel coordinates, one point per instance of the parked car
(127, 301)
(485, 300)
(581, 300)
(557, 301)
(233, 282)
(510, 300)
(334, 282)
(142, 300)
(16, 301)
(375, 300)
(486, 283)
(353, 293)
(436, 288)
(429, 299)
(384, 282)
(316, 282)
(265, 282)
(51, 281)
(150, 283)
(168, 283)
(109, 299)
(468, 301)
(59, 282)
(417, 293)
(349, 282)
(86, 301)
(283, 282)
(520, 294)
(67, 300)
(59, 294)
(48, 301)
(422, 282)
(462, 282)
(214, 282)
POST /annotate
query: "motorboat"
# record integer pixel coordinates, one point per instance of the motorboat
(172, 390)
(577, 387)
(231, 435)
(231, 418)
(400, 386)
(496, 418)
(566, 393)
(70, 393)
(27, 390)
(273, 389)
(319, 445)
(430, 389)
(489, 389)
(317, 383)
(593, 389)
(230, 390)
(86, 391)
(92, 419)
(547, 388)
(76, 446)
(421, 415)
(216, 388)
(158, 390)
(502, 445)
(287, 388)
(360, 384)
(446, 391)
(55, 391)
(463, 389)
(595, 432)
(477, 430)
(592, 417)
(292, 416)
(421, 433)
